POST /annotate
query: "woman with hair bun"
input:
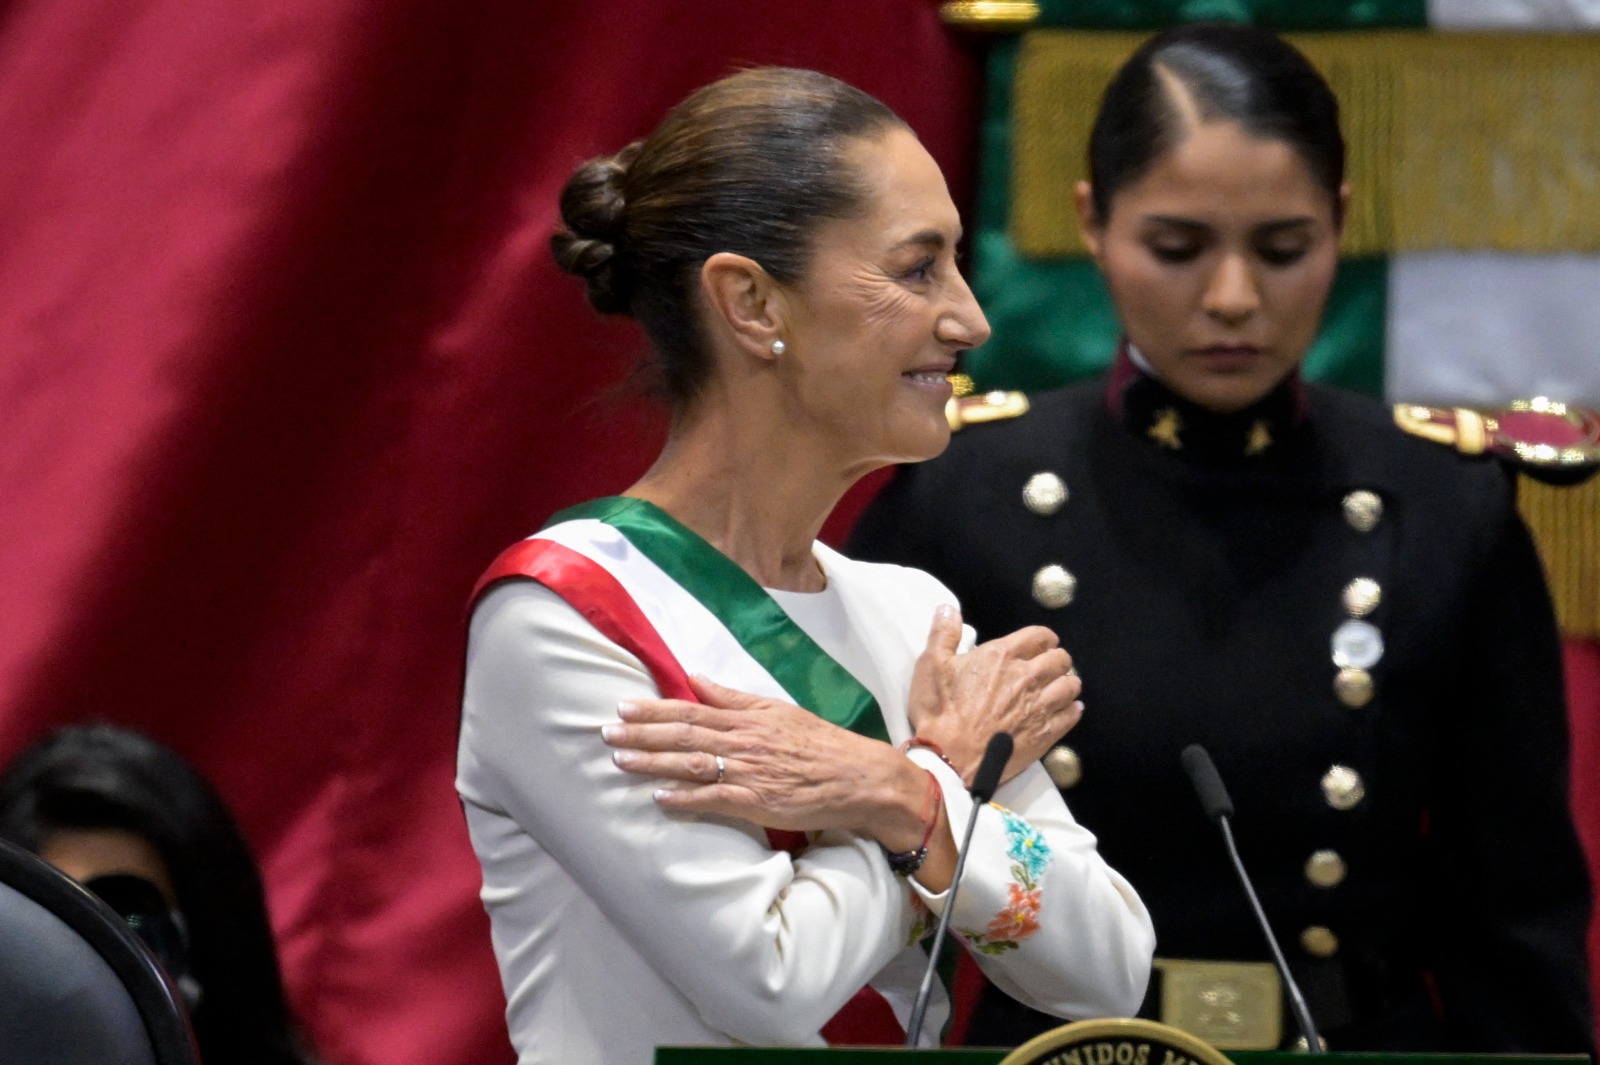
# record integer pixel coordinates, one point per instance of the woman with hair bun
(1351, 619)
(713, 769)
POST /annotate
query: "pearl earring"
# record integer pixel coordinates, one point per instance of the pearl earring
(779, 347)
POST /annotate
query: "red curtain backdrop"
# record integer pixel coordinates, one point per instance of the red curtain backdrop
(1583, 693)
(284, 363)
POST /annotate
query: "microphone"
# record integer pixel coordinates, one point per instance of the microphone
(1207, 782)
(987, 779)
(1219, 808)
(984, 783)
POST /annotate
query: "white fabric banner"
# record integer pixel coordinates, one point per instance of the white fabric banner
(1536, 15)
(1483, 328)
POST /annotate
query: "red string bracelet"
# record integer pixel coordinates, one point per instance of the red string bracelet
(930, 813)
(928, 745)
(906, 863)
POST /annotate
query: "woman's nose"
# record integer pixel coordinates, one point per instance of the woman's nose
(1231, 294)
(963, 323)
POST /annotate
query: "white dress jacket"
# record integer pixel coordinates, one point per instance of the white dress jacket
(619, 927)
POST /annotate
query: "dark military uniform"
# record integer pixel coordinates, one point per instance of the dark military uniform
(1354, 622)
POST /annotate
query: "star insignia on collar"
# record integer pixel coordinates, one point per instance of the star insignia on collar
(1260, 438)
(1166, 428)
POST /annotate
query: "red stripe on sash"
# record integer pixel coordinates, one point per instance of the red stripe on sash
(867, 1020)
(969, 984)
(590, 589)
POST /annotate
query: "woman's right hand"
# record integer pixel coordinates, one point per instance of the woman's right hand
(1022, 683)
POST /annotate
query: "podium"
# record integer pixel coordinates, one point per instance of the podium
(1098, 1042)
(824, 1056)
(977, 1056)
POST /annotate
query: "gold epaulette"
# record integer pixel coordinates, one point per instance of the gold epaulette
(962, 411)
(998, 16)
(1539, 435)
(1557, 449)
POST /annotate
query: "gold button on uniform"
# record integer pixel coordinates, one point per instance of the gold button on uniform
(1044, 494)
(1362, 510)
(1342, 788)
(1361, 596)
(1319, 942)
(1325, 868)
(1064, 766)
(1054, 587)
(1353, 686)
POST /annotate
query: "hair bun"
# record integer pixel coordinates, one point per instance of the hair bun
(594, 220)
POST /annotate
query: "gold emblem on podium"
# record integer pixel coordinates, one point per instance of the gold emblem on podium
(1122, 1041)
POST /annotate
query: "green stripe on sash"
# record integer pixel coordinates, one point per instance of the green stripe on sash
(808, 673)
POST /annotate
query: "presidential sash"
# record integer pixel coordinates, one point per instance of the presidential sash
(657, 589)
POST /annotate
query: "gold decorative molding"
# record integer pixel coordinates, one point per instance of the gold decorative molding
(1479, 141)
(996, 16)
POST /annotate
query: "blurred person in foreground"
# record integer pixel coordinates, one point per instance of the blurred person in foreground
(136, 824)
(714, 769)
(1351, 619)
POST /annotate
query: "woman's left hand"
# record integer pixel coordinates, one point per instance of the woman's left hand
(781, 766)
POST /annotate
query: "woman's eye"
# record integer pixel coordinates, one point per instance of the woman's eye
(921, 272)
(1281, 256)
(1175, 253)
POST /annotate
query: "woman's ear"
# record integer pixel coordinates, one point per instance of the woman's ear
(1088, 226)
(744, 302)
(1344, 205)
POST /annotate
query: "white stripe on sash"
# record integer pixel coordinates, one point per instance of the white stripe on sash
(696, 638)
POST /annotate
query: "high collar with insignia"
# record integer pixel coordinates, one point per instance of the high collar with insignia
(1154, 412)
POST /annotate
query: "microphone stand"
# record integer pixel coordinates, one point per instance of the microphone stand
(1218, 806)
(984, 783)
(1297, 1004)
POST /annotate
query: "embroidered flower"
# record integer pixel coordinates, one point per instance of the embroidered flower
(1020, 919)
(1030, 855)
(1026, 846)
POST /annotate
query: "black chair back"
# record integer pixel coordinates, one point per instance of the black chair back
(77, 987)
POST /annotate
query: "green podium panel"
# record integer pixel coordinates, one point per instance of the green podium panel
(823, 1056)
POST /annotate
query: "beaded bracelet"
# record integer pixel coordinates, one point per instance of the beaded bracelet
(906, 863)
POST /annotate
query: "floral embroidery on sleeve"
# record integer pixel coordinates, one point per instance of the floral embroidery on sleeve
(1030, 856)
